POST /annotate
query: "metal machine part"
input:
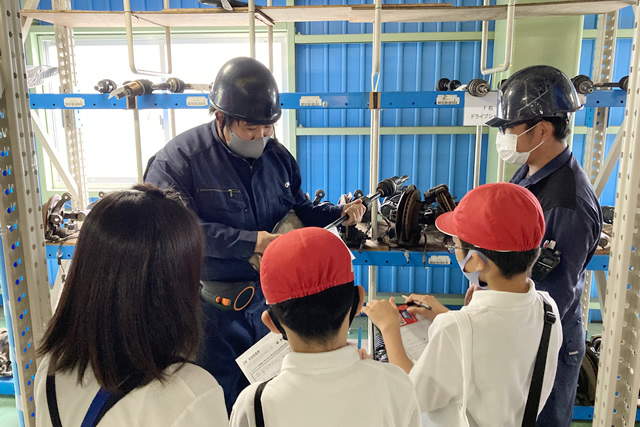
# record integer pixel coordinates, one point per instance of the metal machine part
(407, 227)
(60, 225)
(386, 187)
(476, 87)
(105, 86)
(144, 87)
(225, 4)
(607, 214)
(289, 223)
(588, 376)
(445, 84)
(318, 197)
(350, 234)
(411, 215)
(585, 85)
(441, 196)
(134, 88)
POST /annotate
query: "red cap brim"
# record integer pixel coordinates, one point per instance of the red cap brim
(445, 223)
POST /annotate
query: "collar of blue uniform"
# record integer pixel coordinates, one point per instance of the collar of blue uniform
(560, 160)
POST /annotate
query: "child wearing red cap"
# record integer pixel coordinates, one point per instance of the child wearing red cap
(478, 366)
(307, 280)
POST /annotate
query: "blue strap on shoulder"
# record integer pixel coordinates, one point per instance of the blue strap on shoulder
(93, 414)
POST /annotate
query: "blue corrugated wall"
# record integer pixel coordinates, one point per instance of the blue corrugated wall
(339, 164)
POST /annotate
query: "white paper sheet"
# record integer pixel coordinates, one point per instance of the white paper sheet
(415, 337)
(263, 360)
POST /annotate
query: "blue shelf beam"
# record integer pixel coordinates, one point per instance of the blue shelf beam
(586, 413)
(396, 258)
(299, 101)
(6, 386)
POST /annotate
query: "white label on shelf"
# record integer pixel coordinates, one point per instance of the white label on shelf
(197, 101)
(448, 100)
(582, 98)
(74, 102)
(478, 110)
(310, 101)
(439, 259)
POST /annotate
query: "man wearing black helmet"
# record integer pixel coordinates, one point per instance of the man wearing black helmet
(240, 181)
(534, 111)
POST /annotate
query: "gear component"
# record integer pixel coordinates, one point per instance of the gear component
(583, 84)
(105, 86)
(445, 84)
(478, 87)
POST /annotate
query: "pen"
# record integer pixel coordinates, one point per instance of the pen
(418, 303)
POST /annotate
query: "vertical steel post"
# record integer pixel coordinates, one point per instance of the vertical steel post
(618, 379)
(25, 287)
(374, 148)
(67, 73)
(597, 135)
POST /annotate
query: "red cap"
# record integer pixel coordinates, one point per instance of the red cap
(498, 217)
(304, 262)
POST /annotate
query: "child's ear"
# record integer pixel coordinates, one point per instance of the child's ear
(478, 264)
(268, 322)
(361, 293)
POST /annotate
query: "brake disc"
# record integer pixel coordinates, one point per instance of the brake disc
(407, 228)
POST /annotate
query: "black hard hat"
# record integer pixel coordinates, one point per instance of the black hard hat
(245, 89)
(533, 93)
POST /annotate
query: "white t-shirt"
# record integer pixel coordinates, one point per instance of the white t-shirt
(189, 397)
(332, 389)
(506, 330)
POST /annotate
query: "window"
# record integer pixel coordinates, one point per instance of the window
(108, 135)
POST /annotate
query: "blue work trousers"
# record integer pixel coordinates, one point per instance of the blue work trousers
(228, 334)
(558, 411)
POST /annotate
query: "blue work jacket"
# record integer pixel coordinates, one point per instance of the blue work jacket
(574, 220)
(234, 197)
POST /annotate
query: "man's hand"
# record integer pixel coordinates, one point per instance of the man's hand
(263, 240)
(355, 210)
(431, 301)
(384, 314)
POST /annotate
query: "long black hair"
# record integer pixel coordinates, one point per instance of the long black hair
(130, 306)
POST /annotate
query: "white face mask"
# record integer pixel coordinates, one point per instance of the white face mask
(475, 276)
(249, 149)
(507, 148)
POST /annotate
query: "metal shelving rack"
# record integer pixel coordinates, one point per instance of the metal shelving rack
(26, 287)
(618, 379)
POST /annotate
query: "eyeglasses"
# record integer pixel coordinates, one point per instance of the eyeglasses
(503, 129)
(452, 248)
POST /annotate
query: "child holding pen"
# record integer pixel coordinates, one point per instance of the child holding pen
(307, 280)
(478, 365)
